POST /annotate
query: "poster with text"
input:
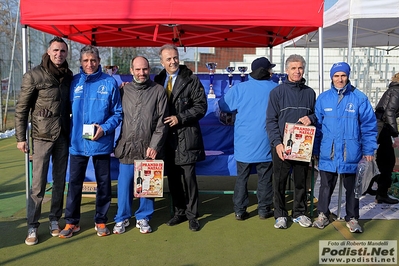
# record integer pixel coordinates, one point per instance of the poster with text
(148, 178)
(298, 142)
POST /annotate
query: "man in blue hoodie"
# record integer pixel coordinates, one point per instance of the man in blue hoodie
(96, 105)
(251, 144)
(346, 132)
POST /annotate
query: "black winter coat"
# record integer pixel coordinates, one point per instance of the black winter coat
(287, 103)
(387, 109)
(41, 90)
(189, 104)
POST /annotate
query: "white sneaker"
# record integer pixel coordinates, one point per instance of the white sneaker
(144, 226)
(119, 227)
(354, 226)
(303, 221)
(54, 228)
(31, 239)
(321, 221)
(281, 223)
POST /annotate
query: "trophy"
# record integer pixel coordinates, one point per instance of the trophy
(228, 118)
(230, 70)
(242, 69)
(211, 67)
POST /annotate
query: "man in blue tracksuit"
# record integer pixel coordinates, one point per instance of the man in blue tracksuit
(251, 144)
(96, 103)
(346, 132)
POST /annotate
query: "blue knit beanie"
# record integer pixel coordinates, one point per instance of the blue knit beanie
(340, 67)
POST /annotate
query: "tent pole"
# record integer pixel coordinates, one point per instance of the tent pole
(350, 38)
(196, 60)
(282, 59)
(271, 54)
(321, 61)
(28, 53)
(306, 74)
(112, 56)
(386, 72)
(27, 163)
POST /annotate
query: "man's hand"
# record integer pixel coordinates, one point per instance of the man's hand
(368, 158)
(123, 84)
(395, 142)
(171, 121)
(99, 132)
(305, 121)
(280, 151)
(316, 160)
(151, 153)
(22, 146)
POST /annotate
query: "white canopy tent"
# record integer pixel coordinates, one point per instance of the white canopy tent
(353, 23)
(356, 23)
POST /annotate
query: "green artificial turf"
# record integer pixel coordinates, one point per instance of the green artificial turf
(221, 241)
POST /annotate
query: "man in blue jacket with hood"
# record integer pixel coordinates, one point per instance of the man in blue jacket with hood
(96, 104)
(346, 132)
(251, 144)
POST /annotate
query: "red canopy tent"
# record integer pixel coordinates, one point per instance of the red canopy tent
(186, 23)
(189, 23)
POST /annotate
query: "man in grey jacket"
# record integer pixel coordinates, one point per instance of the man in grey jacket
(45, 95)
(143, 135)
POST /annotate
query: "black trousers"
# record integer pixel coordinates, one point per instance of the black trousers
(282, 170)
(264, 191)
(385, 161)
(183, 187)
(328, 182)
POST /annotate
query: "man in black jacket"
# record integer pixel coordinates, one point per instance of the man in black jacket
(290, 102)
(387, 110)
(184, 146)
(45, 95)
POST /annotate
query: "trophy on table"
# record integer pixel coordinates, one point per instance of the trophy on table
(242, 69)
(230, 70)
(228, 118)
(211, 67)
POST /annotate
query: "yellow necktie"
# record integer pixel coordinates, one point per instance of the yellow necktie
(169, 86)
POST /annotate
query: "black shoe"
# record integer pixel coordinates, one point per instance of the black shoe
(177, 219)
(194, 225)
(266, 215)
(242, 216)
(370, 191)
(387, 200)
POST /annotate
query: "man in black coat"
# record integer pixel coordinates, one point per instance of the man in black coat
(45, 97)
(386, 111)
(184, 146)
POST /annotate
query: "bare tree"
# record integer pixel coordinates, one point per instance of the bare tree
(8, 12)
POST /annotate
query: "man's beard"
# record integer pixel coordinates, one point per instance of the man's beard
(139, 81)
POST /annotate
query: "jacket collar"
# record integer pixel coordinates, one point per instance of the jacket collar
(298, 84)
(344, 90)
(93, 76)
